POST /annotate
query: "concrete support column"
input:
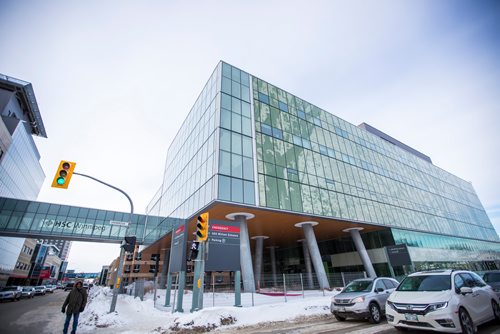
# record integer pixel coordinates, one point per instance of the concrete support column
(273, 264)
(259, 250)
(312, 246)
(363, 254)
(245, 252)
(307, 261)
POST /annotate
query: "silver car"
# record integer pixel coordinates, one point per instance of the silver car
(28, 292)
(40, 290)
(12, 293)
(50, 288)
(363, 299)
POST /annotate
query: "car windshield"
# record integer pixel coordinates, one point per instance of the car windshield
(359, 286)
(39, 287)
(9, 288)
(426, 283)
(27, 289)
(491, 277)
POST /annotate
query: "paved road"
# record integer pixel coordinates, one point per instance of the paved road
(43, 315)
(488, 328)
(32, 316)
(328, 325)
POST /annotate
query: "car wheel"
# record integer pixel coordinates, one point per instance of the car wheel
(375, 315)
(496, 310)
(339, 318)
(466, 322)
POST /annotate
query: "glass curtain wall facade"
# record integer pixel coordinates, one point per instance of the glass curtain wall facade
(236, 164)
(211, 156)
(189, 181)
(249, 142)
(21, 174)
(314, 162)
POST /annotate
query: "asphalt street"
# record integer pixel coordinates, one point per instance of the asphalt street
(328, 325)
(32, 316)
(42, 314)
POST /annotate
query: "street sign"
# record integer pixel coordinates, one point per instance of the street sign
(117, 223)
(399, 255)
(178, 249)
(224, 246)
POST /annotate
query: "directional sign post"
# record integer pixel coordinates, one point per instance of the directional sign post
(398, 255)
(224, 241)
(177, 264)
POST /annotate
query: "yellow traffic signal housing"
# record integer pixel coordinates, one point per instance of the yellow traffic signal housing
(202, 227)
(63, 174)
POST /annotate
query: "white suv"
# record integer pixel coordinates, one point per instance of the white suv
(452, 301)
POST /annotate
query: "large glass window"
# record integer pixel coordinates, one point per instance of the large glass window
(346, 172)
(236, 148)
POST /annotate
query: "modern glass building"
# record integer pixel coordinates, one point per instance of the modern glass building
(310, 191)
(21, 175)
(286, 169)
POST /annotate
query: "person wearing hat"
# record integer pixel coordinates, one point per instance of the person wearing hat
(73, 305)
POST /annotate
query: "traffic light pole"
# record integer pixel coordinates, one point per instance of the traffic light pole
(118, 277)
(198, 279)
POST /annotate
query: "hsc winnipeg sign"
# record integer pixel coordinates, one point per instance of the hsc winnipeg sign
(68, 225)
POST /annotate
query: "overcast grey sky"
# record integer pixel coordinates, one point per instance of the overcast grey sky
(115, 79)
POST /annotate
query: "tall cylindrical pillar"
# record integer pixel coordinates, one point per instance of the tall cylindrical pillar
(363, 254)
(259, 250)
(245, 252)
(307, 262)
(313, 248)
(273, 264)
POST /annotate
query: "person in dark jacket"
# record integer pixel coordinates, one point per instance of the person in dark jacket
(73, 305)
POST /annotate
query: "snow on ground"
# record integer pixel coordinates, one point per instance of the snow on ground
(135, 316)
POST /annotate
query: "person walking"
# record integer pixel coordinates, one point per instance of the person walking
(73, 305)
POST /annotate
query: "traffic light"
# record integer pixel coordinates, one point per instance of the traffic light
(202, 227)
(129, 244)
(63, 174)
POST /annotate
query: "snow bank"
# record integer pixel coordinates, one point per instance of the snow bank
(136, 316)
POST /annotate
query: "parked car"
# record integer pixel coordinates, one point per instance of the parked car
(452, 301)
(40, 290)
(28, 292)
(492, 278)
(50, 288)
(363, 299)
(12, 293)
(59, 286)
(69, 286)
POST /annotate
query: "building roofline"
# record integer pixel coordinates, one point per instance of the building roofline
(394, 141)
(26, 95)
